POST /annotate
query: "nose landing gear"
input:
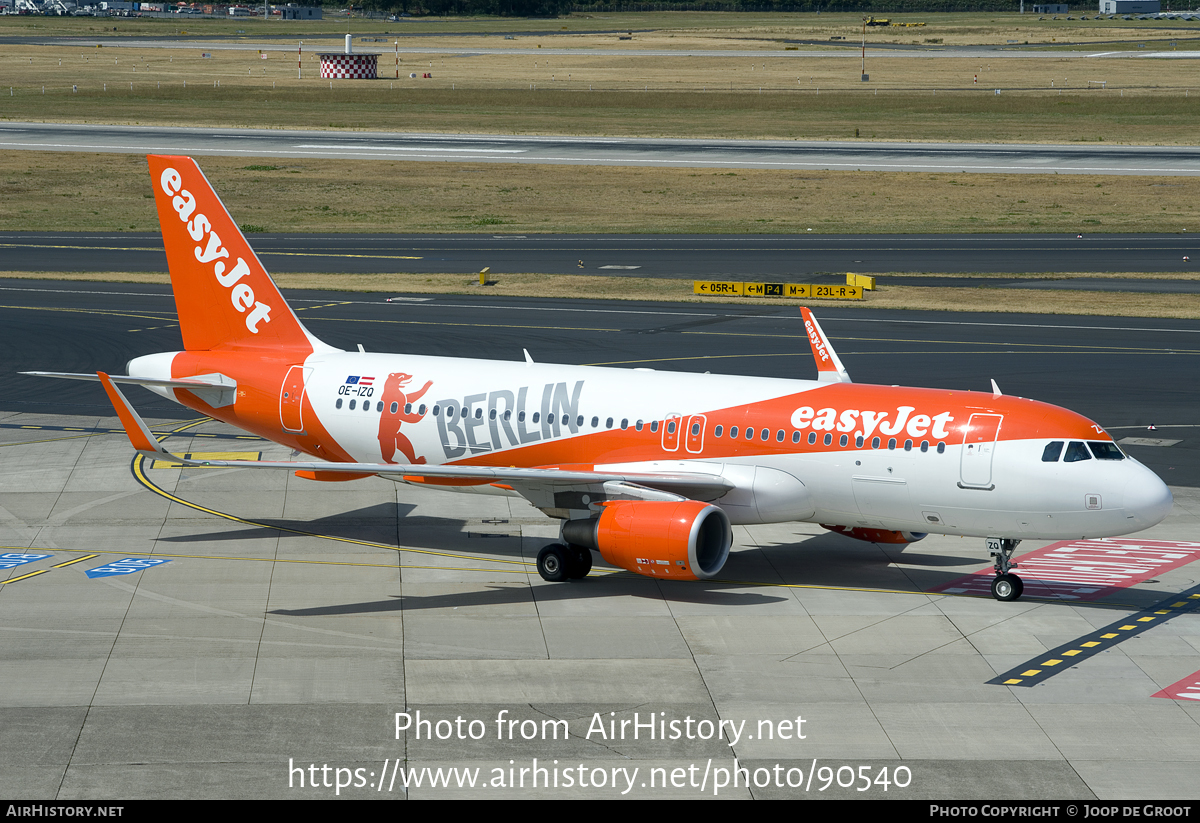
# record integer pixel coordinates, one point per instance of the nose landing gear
(1006, 586)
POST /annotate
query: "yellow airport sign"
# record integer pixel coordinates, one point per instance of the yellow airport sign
(786, 290)
(711, 287)
(866, 281)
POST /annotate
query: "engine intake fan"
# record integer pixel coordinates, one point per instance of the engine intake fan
(678, 540)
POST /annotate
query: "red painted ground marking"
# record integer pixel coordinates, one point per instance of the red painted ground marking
(1186, 689)
(1085, 569)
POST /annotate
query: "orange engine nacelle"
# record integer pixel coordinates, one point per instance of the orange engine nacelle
(877, 535)
(677, 540)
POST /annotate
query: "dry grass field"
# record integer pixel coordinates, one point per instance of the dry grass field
(749, 85)
(767, 76)
(46, 191)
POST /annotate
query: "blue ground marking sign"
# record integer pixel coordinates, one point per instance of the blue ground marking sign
(11, 560)
(126, 565)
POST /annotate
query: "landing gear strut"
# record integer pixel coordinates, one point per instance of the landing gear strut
(558, 562)
(1006, 586)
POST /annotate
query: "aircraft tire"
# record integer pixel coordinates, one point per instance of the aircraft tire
(579, 562)
(1007, 587)
(552, 563)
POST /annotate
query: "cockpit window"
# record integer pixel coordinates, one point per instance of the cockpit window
(1053, 452)
(1076, 451)
(1105, 451)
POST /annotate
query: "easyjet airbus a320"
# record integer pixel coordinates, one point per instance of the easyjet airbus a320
(640, 466)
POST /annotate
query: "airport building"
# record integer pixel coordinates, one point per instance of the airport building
(293, 12)
(1130, 6)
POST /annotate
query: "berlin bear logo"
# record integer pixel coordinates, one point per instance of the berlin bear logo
(398, 409)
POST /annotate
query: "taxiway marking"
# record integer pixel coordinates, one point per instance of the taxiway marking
(1044, 666)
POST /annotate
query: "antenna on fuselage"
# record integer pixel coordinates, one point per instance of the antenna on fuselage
(528, 359)
(996, 389)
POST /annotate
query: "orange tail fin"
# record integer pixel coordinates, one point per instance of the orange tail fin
(224, 296)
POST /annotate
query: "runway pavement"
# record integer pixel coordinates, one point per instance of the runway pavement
(617, 151)
(276, 627)
(781, 258)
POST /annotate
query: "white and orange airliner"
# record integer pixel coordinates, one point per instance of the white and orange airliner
(650, 469)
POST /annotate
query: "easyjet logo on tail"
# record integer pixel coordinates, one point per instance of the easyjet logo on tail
(211, 251)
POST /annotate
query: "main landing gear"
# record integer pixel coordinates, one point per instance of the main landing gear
(562, 561)
(1006, 586)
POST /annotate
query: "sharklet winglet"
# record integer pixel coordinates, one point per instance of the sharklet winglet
(829, 365)
(136, 430)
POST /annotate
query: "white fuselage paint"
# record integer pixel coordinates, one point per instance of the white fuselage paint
(1021, 496)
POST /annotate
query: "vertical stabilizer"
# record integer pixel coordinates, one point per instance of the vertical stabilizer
(224, 296)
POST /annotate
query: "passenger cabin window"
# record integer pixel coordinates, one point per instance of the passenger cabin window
(717, 431)
(1052, 451)
(1076, 451)
(1105, 451)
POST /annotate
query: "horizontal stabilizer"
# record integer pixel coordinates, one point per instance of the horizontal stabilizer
(214, 389)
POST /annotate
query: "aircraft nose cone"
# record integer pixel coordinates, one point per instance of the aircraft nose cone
(1147, 498)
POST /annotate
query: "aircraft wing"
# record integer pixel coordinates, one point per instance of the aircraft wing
(680, 484)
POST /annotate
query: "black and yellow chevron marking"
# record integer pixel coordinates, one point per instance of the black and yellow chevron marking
(1044, 666)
